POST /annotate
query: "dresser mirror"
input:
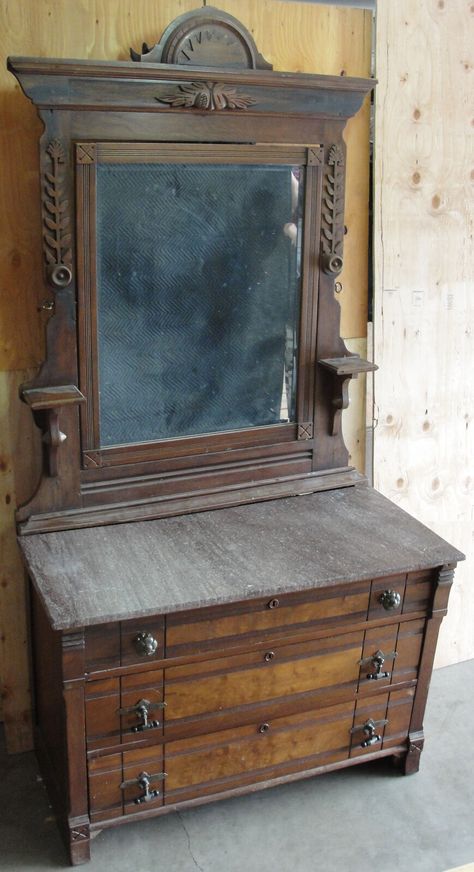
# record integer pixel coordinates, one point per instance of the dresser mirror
(194, 316)
(193, 230)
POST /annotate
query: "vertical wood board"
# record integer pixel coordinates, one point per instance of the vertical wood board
(424, 292)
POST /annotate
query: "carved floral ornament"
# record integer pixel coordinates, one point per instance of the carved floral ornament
(207, 95)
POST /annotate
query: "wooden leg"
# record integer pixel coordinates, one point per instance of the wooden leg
(79, 843)
(411, 763)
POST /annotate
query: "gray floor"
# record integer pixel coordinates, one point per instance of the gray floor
(365, 819)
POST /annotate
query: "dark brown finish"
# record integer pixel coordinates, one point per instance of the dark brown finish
(332, 213)
(202, 95)
(238, 697)
(205, 655)
(207, 36)
(343, 369)
(131, 112)
(56, 220)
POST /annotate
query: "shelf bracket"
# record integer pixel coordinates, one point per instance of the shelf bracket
(342, 370)
(46, 404)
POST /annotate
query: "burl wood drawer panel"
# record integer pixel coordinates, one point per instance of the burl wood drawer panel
(121, 709)
(202, 630)
(256, 752)
(381, 721)
(206, 688)
(124, 643)
(124, 783)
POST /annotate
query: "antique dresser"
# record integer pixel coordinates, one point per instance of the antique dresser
(219, 601)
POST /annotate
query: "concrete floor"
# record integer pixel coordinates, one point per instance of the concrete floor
(364, 819)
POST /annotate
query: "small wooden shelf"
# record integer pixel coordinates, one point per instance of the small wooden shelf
(350, 365)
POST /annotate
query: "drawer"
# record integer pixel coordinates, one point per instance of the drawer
(125, 643)
(256, 752)
(381, 722)
(400, 594)
(123, 709)
(391, 654)
(125, 783)
(204, 629)
(214, 687)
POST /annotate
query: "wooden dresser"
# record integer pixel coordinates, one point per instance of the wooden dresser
(219, 602)
(199, 657)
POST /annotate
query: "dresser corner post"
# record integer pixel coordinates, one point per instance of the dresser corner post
(79, 840)
(441, 590)
(411, 761)
(77, 822)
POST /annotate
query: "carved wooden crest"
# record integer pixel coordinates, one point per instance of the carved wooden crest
(206, 37)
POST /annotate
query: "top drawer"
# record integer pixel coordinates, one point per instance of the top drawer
(205, 629)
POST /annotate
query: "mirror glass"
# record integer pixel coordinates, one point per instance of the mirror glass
(198, 284)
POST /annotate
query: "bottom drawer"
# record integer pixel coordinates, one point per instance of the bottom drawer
(381, 722)
(258, 752)
(124, 783)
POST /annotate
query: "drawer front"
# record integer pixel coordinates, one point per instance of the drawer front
(381, 722)
(205, 629)
(257, 752)
(118, 783)
(109, 646)
(125, 708)
(200, 689)
(391, 654)
(401, 594)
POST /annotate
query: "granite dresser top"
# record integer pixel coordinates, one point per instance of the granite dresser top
(101, 574)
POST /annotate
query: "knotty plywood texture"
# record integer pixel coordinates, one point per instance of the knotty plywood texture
(424, 401)
(294, 36)
(304, 38)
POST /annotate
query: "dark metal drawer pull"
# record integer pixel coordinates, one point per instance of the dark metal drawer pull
(390, 599)
(142, 709)
(369, 728)
(273, 604)
(264, 728)
(145, 644)
(378, 659)
(143, 781)
(269, 655)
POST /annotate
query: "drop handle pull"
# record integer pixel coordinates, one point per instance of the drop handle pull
(377, 660)
(143, 781)
(142, 709)
(370, 731)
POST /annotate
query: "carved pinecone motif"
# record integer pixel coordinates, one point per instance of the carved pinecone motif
(208, 95)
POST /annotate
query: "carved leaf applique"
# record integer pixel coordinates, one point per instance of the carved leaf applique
(207, 95)
(56, 241)
(332, 227)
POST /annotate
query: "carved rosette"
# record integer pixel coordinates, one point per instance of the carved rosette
(332, 216)
(56, 234)
(209, 96)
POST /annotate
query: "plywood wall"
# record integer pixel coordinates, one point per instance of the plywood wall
(293, 36)
(423, 321)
